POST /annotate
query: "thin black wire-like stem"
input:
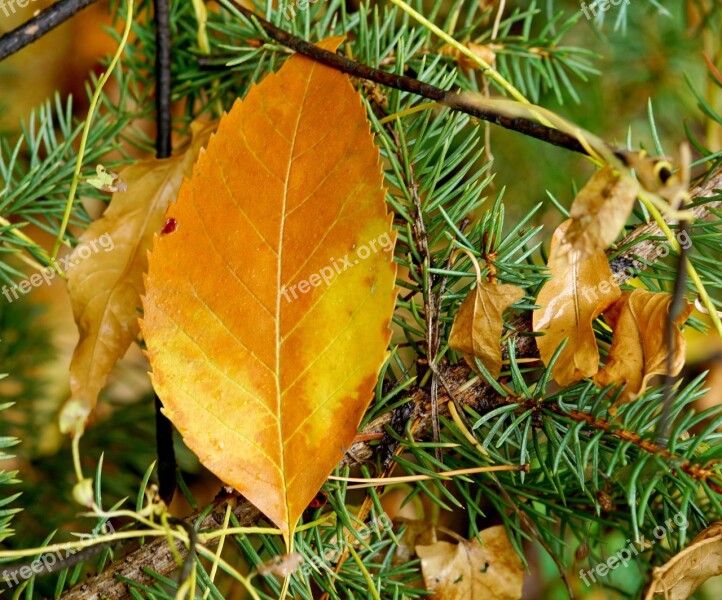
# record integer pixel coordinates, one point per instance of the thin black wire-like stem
(163, 427)
(676, 306)
(162, 78)
(38, 26)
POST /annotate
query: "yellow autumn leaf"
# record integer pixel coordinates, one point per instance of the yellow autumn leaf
(598, 213)
(478, 324)
(639, 350)
(267, 310)
(578, 292)
(491, 570)
(105, 287)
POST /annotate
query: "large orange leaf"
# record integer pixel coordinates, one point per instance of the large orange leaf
(639, 348)
(267, 308)
(578, 292)
(105, 285)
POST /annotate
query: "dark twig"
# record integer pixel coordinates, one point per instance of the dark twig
(676, 307)
(38, 26)
(162, 78)
(163, 426)
(166, 454)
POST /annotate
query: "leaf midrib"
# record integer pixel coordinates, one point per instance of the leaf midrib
(279, 264)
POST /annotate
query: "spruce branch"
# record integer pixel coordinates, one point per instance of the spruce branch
(379, 440)
(448, 98)
(637, 243)
(157, 556)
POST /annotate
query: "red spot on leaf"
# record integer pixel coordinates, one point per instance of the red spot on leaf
(169, 226)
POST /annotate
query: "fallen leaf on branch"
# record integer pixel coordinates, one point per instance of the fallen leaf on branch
(105, 286)
(578, 292)
(491, 570)
(267, 307)
(639, 349)
(679, 577)
(598, 213)
(478, 324)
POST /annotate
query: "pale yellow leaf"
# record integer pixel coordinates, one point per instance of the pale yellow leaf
(598, 214)
(105, 285)
(680, 576)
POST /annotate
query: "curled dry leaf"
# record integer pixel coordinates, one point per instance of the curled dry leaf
(657, 174)
(680, 576)
(105, 287)
(491, 570)
(639, 350)
(598, 213)
(265, 344)
(478, 324)
(578, 292)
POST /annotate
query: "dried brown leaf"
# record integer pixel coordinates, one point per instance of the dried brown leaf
(578, 293)
(478, 324)
(639, 349)
(105, 287)
(491, 570)
(598, 214)
(679, 577)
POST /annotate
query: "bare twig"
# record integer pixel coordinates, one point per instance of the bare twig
(163, 426)
(38, 26)
(676, 308)
(162, 78)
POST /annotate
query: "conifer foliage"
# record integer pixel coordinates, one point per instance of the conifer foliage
(427, 293)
